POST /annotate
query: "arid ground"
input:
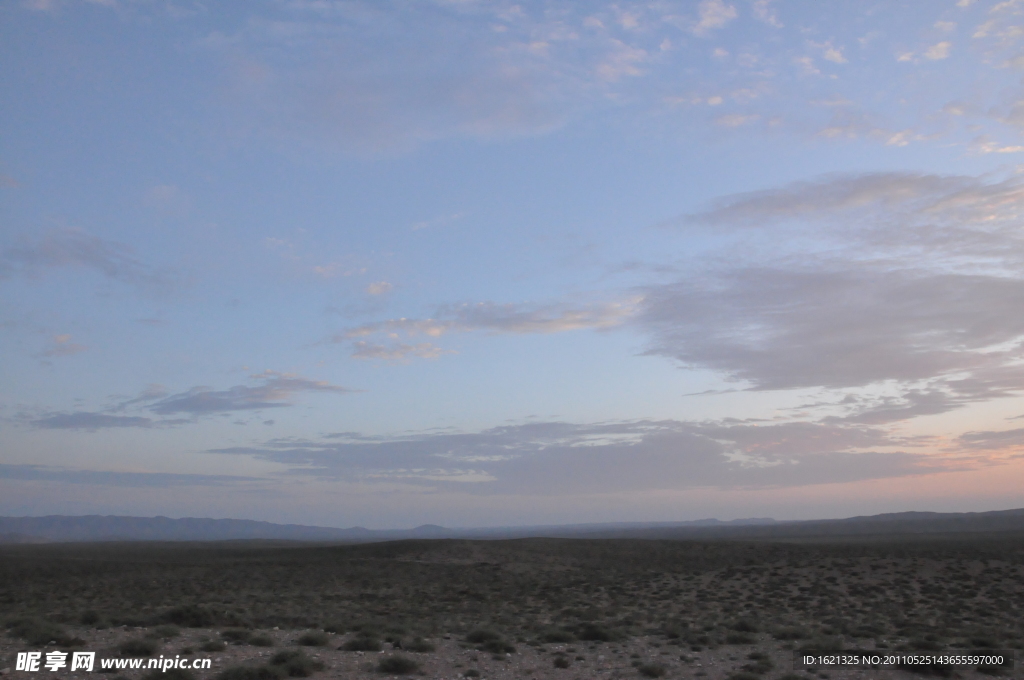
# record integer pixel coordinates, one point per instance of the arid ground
(532, 608)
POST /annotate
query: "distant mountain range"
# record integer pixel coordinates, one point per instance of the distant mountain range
(94, 528)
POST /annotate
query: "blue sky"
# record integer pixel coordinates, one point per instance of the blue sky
(476, 262)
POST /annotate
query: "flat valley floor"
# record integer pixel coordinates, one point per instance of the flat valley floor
(529, 608)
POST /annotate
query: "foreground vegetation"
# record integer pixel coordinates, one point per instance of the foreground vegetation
(497, 596)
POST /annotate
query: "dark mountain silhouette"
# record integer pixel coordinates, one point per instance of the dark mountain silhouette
(60, 528)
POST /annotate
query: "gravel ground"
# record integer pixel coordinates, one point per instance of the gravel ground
(453, 658)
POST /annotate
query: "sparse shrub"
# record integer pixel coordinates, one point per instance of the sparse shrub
(313, 639)
(497, 647)
(295, 664)
(261, 640)
(739, 639)
(744, 626)
(991, 670)
(869, 630)
(213, 646)
(250, 673)
(762, 664)
(790, 633)
(165, 632)
(237, 635)
(651, 670)
(397, 665)
(557, 635)
(190, 616)
(830, 643)
(481, 635)
(362, 643)
(38, 633)
(420, 645)
(143, 647)
(561, 662)
(169, 674)
(593, 631)
(744, 675)
(89, 618)
(926, 645)
(471, 673)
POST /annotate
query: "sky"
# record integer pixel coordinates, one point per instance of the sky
(492, 263)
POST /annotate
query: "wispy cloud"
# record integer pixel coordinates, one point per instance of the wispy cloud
(397, 351)
(78, 248)
(276, 391)
(437, 221)
(859, 280)
(43, 473)
(505, 318)
(89, 421)
(565, 458)
(733, 120)
(764, 11)
(63, 346)
(713, 14)
(487, 317)
(938, 51)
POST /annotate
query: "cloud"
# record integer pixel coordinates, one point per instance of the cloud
(857, 280)
(736, 119)
(342, 80)
(938, 51)
(766, 13)
(83, 420)
(992, 440)
(438, 221)
(379, 288)
(511, 318)
(831, 53)
(911, 404)
(565, 458)
(120, 479)
(507, 318)
(40, 5)
(807, 64)
(77, 248)
(837, 327)
(713, 14)
(167, 199)
(488, 317)
(63, 347)
(955, 200)
(275, 392)
(397, 352)
(984, 145)
(623, 60)
(152, 392)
